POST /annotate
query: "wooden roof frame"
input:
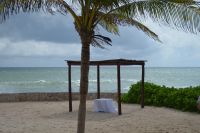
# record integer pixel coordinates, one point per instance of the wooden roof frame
(116, 62)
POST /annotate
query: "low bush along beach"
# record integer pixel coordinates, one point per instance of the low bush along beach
(184, 99)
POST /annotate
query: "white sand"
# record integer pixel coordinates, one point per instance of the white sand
(53, 117)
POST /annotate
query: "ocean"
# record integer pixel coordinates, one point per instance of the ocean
(26, 79)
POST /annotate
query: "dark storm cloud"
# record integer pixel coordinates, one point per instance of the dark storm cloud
(40, 27)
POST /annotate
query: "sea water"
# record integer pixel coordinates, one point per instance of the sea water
(19, 80)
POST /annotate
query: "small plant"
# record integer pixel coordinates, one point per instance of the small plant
(184, 99)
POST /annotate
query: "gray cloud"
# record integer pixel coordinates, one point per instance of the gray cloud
(37, 48)
(40, 27)
(45, 40)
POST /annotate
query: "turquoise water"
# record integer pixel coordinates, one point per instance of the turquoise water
(18, 80)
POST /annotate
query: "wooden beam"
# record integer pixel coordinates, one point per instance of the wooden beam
(142, 88)
(98, 82)
(109, 62)
(119, 89)
(69, 88)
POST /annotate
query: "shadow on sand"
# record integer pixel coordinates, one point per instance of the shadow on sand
(90, 116)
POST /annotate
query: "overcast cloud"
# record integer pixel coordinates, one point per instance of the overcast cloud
(45, 40)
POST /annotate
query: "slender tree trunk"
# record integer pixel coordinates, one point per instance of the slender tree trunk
(85, 57)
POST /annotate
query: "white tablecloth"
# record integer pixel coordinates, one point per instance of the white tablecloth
(104, 105)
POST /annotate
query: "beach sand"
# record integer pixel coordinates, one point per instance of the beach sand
(53, 117)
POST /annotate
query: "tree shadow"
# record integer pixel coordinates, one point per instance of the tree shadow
(90, 116)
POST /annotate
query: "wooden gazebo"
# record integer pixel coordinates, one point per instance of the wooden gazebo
(118, 63)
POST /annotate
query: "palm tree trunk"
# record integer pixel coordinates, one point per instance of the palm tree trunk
(85, 57)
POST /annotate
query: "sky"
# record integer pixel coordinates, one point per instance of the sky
(44, 40)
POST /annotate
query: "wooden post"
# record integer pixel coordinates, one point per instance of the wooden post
(69, 88)
(119, 89)
(98, 82)
(142, 88)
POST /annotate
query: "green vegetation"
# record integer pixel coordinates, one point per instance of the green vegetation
(184, 99)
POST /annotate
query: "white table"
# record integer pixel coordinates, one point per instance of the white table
(104, 105)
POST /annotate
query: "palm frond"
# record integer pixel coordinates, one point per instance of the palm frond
(142, 27)
(109, 4)
(111, 20)
(168, 13)
(109, 26)
(100, 41)
(185, 2)
(10, 7)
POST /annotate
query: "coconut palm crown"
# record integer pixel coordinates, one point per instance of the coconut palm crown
(90, 15)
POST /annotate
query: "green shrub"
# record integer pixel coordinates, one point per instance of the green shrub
(184, 99)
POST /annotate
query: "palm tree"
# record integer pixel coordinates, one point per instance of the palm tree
(89, 15)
